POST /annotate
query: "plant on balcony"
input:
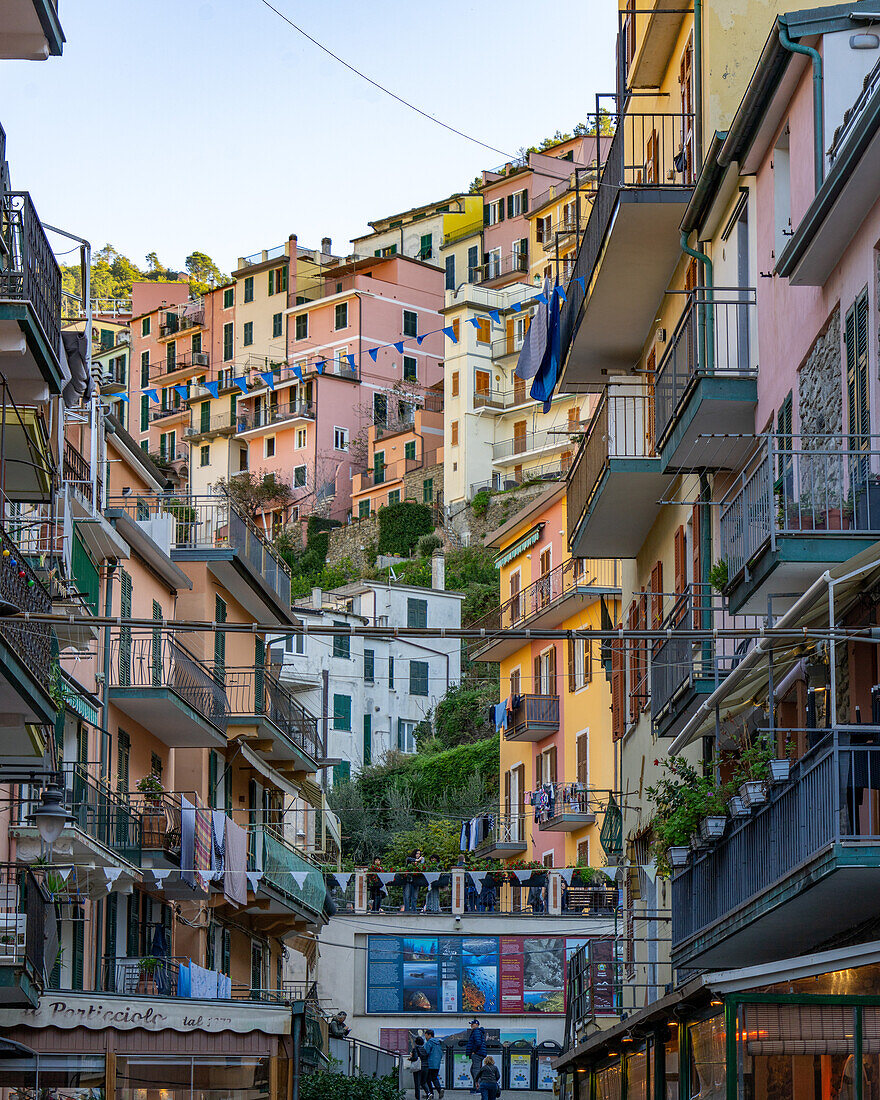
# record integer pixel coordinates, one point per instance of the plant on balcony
(253, 492)
(719, 575)
(682, 797)
(151, 787)
(752, 768)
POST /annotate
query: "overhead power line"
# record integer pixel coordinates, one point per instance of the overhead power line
(381, 87)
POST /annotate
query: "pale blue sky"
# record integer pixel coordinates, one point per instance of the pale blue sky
(181, 124)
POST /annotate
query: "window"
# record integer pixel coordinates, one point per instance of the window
(856, 329)
(483, 331)
(171, 357)
(410, 369)
(341, 772)
(269, 447)
(517, 204)
(145, 327)
(406, 740)
(454, 384)
(341, 642)
(249, 288)
(300, 438)
(342, 712)
(123, 760)
(580, 666)
(277, 280)
(248, 333)
(473, 262)
(521, 254)
(394, 497)
(301, 330)
(341, 315)
(493, 212)
(453, 433)
(227, 341)
(369, 666)
(205, 455)
(428, 490)
(416, 612)
(456, 330)
(418, 678)
(410, 323)
(363, 508)
(229, 297)
(543, 230)
(380, 408)
(368, 740)
(409, 450)
(340, 439)
(450, 273)
(426, 246)
(391, 673)
(493, 263)
(277, 324)
(145, 368)
(299, 477)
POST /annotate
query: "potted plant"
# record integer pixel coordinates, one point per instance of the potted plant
(678, 855)
(736, 807)
(147, 967)
(780, 770)
(752, 768)
(680, 796)
(151, 787)
(719, 575)
(712, 826)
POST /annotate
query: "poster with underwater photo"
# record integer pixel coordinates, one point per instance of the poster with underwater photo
(420, 987)
(479, 987)
(479, 951)
(419, 949)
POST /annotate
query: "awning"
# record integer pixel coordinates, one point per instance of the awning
(528, 539)
(267, 771)
(312, 793)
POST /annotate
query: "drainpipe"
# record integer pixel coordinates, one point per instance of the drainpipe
(105, 696)
(705, 314)
(818, 114)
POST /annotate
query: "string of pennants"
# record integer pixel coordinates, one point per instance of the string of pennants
(268, 377)
(522, 876)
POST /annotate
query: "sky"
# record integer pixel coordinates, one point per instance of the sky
(176, 125)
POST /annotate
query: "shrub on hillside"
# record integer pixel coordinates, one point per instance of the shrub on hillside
(401, 525)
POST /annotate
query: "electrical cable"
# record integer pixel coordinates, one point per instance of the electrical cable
(381, 87)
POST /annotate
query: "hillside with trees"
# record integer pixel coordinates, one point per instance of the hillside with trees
(113, 273)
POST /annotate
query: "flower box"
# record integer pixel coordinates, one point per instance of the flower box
(780, 770)
(753, 793)
(678, 855)
(737, 807)
(712, 827)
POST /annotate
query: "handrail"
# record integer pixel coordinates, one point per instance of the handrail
(257, 693)
(30, 271)
(77, 472)
(20, 585)
(264, 415)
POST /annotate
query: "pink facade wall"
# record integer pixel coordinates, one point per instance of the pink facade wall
(148, 296)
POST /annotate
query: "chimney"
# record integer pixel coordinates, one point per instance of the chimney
(317, 599)
(438, 571)
(326, 245)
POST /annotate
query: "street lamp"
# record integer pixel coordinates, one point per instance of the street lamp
(50, 816)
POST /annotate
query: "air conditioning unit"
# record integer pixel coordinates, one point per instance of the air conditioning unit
(187, 432)
(200, 358)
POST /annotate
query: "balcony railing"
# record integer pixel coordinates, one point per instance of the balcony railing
(502, 267)
(78, 472)
(220, 422)
(824, 803)
(534, 712)
(530, 441)
(815, 485)
(101, 814)
(394, 471)
(155, 659)
(257, 693)
(511, 478)
(30, 272)
(190, 360)
(283, 867)
(160, 821)
(19, 585)
(25, 915)
(713, 339)
(263, 415)
(211, 523)
(622, 427)
(647, 152)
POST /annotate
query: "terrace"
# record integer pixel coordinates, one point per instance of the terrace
(288, 734)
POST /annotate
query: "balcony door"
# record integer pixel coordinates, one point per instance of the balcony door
(686, 92)
(545, 672)
(482, 383)
(519, 437)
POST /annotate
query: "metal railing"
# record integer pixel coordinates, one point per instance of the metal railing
(263, 415)
(647, 151)
(678, 662)
(30, 271)
(621, 427)
(257, 693)
(25, 914)
(289, 872)
(577, 576)
(76, 471)
(101, 814)
(501, 267)
(831, 797)
(155, 659)
(20, 586)
(534, 711)
(530, 441)
(220, 422)
(160, 821)
(823, 485)
(714, 338)
(162, 412)
(355, 1058)
(393, 471)
(211, 522)
(568, 798)
(511, 479)
(190, 360)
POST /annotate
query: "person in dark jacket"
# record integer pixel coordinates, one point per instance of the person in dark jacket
(476, 1048)
(338, 1029)
(488, 1079)
(435, 1060)
(418, 1062)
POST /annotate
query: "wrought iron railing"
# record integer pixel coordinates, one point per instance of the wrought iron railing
(714, 338)
(501, 267)
(531, 441)
(257, 693)
(819, 485)
(264, 416)
(823, 803)
(102, 814)
(190, 360)
(511, 478)
(25, 915)
(534, 711)
(19, 585)
(77, 472)
(220, 422)
(30, 271)
(289, 872)
(155, 659)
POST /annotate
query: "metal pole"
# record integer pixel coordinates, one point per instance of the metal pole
(832, 656)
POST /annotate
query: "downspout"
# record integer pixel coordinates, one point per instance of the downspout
(105, 695)
(706, 313)
(818, 114)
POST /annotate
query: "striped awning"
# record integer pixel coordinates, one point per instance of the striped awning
(528, 539)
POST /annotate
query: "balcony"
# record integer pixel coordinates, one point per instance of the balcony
(177, 368)
(182, 319)
(629, 249)
(167, 690)
(507, 838)
(288, 733)
(801, 504)
(210, 529)
(31, 31)
(291, 878)
(384, 475)
(706, 386)
(615, 483)
(566, 590)
(534, 718)
(802, 868)
(508, 452)
(263, 416)
(30, 300)
(573, 808)
(113, 377)
(685, 671)
(25, 655)
(510, 479)
(169, 412)
(78, 473)
(220, 424)
(160, 817)
(496, 270)
(27, 929)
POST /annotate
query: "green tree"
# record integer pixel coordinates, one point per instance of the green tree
(461, 717)
(203, 273)
(252, 492)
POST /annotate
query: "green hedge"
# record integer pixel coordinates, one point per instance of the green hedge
(333, 1086)
(433, 776)
(401, 525)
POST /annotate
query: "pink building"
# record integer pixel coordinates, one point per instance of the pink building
(313, 428)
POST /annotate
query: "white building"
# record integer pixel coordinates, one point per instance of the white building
(371, 693)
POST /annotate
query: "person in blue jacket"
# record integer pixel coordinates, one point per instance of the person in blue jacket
(476, 1048)
(431, 1078)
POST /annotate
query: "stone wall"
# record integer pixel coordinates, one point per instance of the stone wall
(467, 527)
(820, 385)
(350, 540)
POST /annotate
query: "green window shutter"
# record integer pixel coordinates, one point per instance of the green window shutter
(212, 780)
(259, 676)
(220, 640)
(248, 335)
(342, 712)
(145, 368)
(394, 497)
(125, 631)
(409, 450)
(277, 324)
(368, 740)
(145, 412)
(525, 202)
(156, 647)
(82, 743)
(341, 643)
(226, 951)
(426, 245)
(205, 416)
(79, 949)
(428, 490)
(283, 278)
(123, 757)
(195, 343)
(418, 677)
(369, 666)
(85, 573)
(486, 214)
(272, 281)
(233, 406)
(249, 288)
(363, 509)
(227, 341)
(341, 772)
(391, 672)
(110, 914)
(416, 612)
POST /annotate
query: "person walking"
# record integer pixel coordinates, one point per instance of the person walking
(418, 1061)
(374, 885)
(476, 1048)
(488, 1079)
(432, 1068)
